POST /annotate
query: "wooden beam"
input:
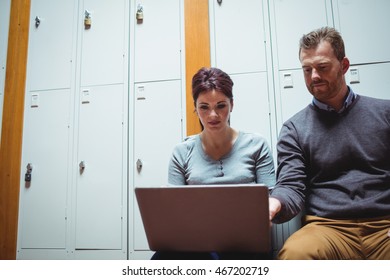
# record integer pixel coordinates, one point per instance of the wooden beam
(12, 126)
(197, 42)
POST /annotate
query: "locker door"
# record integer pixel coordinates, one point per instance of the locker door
(239, 36)
(99, 168)
(4, 25)
(103, 43)
(292, 19)
(373, 79)
(157, 131)
(295, 95)
(157, 41)
(366, 40)
(50, 45)
(47, 126)
(43, 203)
(251, 111)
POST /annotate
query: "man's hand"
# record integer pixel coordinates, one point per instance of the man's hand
(274, 207)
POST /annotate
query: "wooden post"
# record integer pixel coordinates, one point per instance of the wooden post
(12, 126)
(197, 41)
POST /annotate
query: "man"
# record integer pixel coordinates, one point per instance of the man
(334, 163)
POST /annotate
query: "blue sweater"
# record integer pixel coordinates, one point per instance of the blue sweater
(250, 161)
(335, 165)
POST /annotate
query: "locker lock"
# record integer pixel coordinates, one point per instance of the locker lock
(87, 19)
(140, 13)
(27, 176)
(139, 165)
(37, 21)
(82, 166)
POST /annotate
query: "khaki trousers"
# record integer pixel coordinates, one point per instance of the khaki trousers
(327, 239)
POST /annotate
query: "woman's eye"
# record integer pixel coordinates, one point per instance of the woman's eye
(221, 106)
(204, 107)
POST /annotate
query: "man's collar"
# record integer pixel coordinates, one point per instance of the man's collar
(350, 97)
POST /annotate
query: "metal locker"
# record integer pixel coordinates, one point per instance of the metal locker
(293, 92)
(47, 145)
(291, 20)
(51, 39)
(365, 40)
(239, 36)
(100, 154)
(5, 7)
(157, 130)
(75, 135)
(251, 91)
(103, 44)
(46, 149)
(370, 79)
(157, 41)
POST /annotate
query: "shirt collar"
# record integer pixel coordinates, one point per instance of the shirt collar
(347, 102)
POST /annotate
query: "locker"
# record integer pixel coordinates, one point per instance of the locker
(43, 211)
(362, 25)
(102, 56)
(294, 94)
(239, 36)
(5, 7)
(52, 24)
(157, 42)
(373, 79)
(291, 20)
(79, 116)
(251, 111)
(100, 176)
(241, 48)
(157, 130)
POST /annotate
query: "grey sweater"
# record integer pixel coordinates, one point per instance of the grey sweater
(335, 165)
(249, 161)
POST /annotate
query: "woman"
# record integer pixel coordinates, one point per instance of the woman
(219, 154)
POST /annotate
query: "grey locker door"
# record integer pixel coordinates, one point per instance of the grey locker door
(46, 146)
(157, 43)
(47, 131)
(100, 156)
(103, 44)
(157, 131)
(295, 95)
(241, 51)
(372, 79)
(251, 111)
(240, 36)
(51, 57)
(364, 26)
(291, 20)
(99, 222)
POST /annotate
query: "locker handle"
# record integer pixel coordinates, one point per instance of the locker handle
(139, 165)
(27, 176)
(37, 21)
(82, 166)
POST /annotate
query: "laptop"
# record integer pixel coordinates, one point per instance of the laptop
(206, 218)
